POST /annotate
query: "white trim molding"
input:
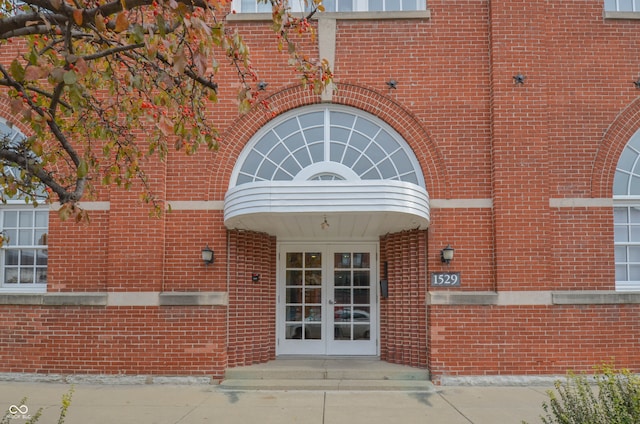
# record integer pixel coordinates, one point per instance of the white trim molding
(115, 299)
(581, 203)
(461, 203)
(608, 14)
(522, 298)
(196, 205)
(87, 206)
(216, 205)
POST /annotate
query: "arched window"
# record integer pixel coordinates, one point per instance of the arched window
(626, 195)
(328, 143)
(23, 261)
(324, 161)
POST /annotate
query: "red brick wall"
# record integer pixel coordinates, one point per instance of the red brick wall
(403, 324)
(114, 340)
(474, 250)
(528, 340)
(611, 147)
(476, 136)
(78, 258)
(581, 250)
(252, 305)
(187, 233)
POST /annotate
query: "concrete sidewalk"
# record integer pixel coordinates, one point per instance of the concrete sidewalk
(164, 404)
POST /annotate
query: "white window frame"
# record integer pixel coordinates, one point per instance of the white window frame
(397, 152)
(628, 244)
(19, 205)
(14, 245)
(622, 5)
(298, 7)
(626, 195)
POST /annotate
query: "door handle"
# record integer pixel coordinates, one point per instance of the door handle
(331, 302)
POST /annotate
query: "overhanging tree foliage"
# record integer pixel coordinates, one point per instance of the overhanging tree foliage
(90, 73)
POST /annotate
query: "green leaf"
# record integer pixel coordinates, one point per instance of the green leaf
(33, 57)
(83, 169)
(17, 71)
(136, 82)
(70, 78)
(161, 25)
(138, 33)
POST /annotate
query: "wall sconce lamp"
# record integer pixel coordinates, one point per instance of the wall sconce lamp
(207, 255)
(519, 79)
(446, 254)
(637, 83)
(262, 85)
(392, 84)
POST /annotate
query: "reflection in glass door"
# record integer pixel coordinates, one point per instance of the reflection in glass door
(304, 295)
(351, 296)
(326, 300)
(351, 313)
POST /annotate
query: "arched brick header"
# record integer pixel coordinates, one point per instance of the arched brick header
(385, 108)
(613, 142)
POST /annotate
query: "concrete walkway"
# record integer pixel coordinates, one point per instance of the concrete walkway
(204, 403)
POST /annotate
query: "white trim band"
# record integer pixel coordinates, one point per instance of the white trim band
(522, 298)
(196, 205)
(581, 203)
(217, 205)
(115, 299)
(461, 203)
(87, 206)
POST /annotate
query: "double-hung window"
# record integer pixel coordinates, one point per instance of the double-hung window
(24, 258)
(23, 255)
(622, 5)
(252, 6)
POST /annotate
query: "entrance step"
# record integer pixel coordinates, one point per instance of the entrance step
(327, 374)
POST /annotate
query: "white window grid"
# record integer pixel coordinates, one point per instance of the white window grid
(320, 143)
(252, 6)
(6, 130)
(622, 5)
(24, 254)
(626, 196)
(627, 247)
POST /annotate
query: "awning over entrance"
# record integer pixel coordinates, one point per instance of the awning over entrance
(327, 209)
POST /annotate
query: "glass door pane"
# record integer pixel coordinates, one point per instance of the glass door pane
(352, 296)
(327, 300)
(303, 303)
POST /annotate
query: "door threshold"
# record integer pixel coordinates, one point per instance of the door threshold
(330, 357)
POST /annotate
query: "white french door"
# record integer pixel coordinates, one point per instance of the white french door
(327, 299)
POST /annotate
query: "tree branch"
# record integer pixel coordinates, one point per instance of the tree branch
(32, 169)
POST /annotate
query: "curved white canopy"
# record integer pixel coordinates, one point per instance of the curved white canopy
(362, 209)
(327, 171)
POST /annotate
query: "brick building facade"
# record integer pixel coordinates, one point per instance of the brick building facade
(492, 126)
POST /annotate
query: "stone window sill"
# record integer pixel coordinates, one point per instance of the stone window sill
(621, 15)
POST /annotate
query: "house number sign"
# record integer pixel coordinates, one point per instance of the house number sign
(445, 279)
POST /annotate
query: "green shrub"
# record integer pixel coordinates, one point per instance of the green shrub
(609, 397)
(20, 411)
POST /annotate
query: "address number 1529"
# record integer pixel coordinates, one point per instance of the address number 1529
(445, 279)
